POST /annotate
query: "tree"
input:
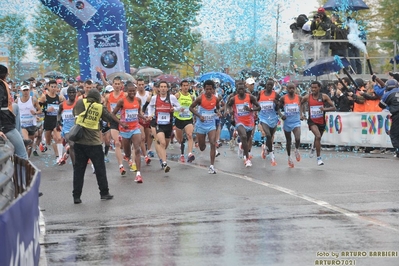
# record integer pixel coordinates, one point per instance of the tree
(55, 41)
(14, 32)
(159, 31)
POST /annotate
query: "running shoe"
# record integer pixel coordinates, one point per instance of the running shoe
(190, 158)
(263, 152)
(290, 163)
(248, 163)
(147, 160)
(182, 160)
(165, 167)
(319, 161)
(311, 154)
(138, 179)
(42, 147)
(132, 166)
(211, 170)
(122, 171)
(297, 156)
(106, 159)
(273, 159)
(126, 158)
(151, 154)
(62, 161)
(217, 153)
(35, 153)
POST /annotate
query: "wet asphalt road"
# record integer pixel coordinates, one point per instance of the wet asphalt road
(264, 215)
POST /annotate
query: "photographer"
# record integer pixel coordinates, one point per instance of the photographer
(343, 96)
(302, 38)
(321, 30)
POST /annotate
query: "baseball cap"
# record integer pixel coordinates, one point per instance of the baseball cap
(321, 10)
(250, 81)
(71, 80)
(109, 88)
(391, 84)
(395, 75)
(24, 87)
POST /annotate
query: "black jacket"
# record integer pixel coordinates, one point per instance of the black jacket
(7, 118)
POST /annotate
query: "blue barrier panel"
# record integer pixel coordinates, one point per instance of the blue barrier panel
(19, 228)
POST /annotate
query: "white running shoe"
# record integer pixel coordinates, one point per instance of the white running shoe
(319, 161)
(211, 170)
(248, 163)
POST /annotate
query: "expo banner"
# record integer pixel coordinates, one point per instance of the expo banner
(19, 228)
(349, 129)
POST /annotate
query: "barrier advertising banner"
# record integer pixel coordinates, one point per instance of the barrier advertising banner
(349, 129)
(19, 229)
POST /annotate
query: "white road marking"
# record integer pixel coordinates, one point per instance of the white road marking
(321, 203)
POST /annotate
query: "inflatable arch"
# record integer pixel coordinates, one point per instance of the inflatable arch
(102, 34)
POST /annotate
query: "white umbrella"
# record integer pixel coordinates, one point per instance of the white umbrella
(124, 76)
(149, 72)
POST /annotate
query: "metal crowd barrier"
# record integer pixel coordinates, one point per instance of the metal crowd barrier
(7, 190)
(16, 174)
(19, 209)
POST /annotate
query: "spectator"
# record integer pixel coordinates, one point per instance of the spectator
(343, 96)
(7, 117)
(338, 32)
(359, 100)
(390, 100)
(302, 38)
(321, 30)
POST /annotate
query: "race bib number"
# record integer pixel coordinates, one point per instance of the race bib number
(185, 113)
(240, 109)
(131, 115)
(56, 108)
(27, 120)
(209, 115)
(67, 116)
(163, 118)
(315, 111)
(291, 109)
(266, 106)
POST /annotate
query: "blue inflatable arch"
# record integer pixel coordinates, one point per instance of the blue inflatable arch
(102, 34)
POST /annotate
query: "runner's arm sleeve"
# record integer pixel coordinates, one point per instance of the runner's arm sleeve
(175, 103)
(145, 106)
(151, 106)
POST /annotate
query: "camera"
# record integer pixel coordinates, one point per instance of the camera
(316, 16)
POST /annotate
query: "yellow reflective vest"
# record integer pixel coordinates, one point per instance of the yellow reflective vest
(94, 113)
